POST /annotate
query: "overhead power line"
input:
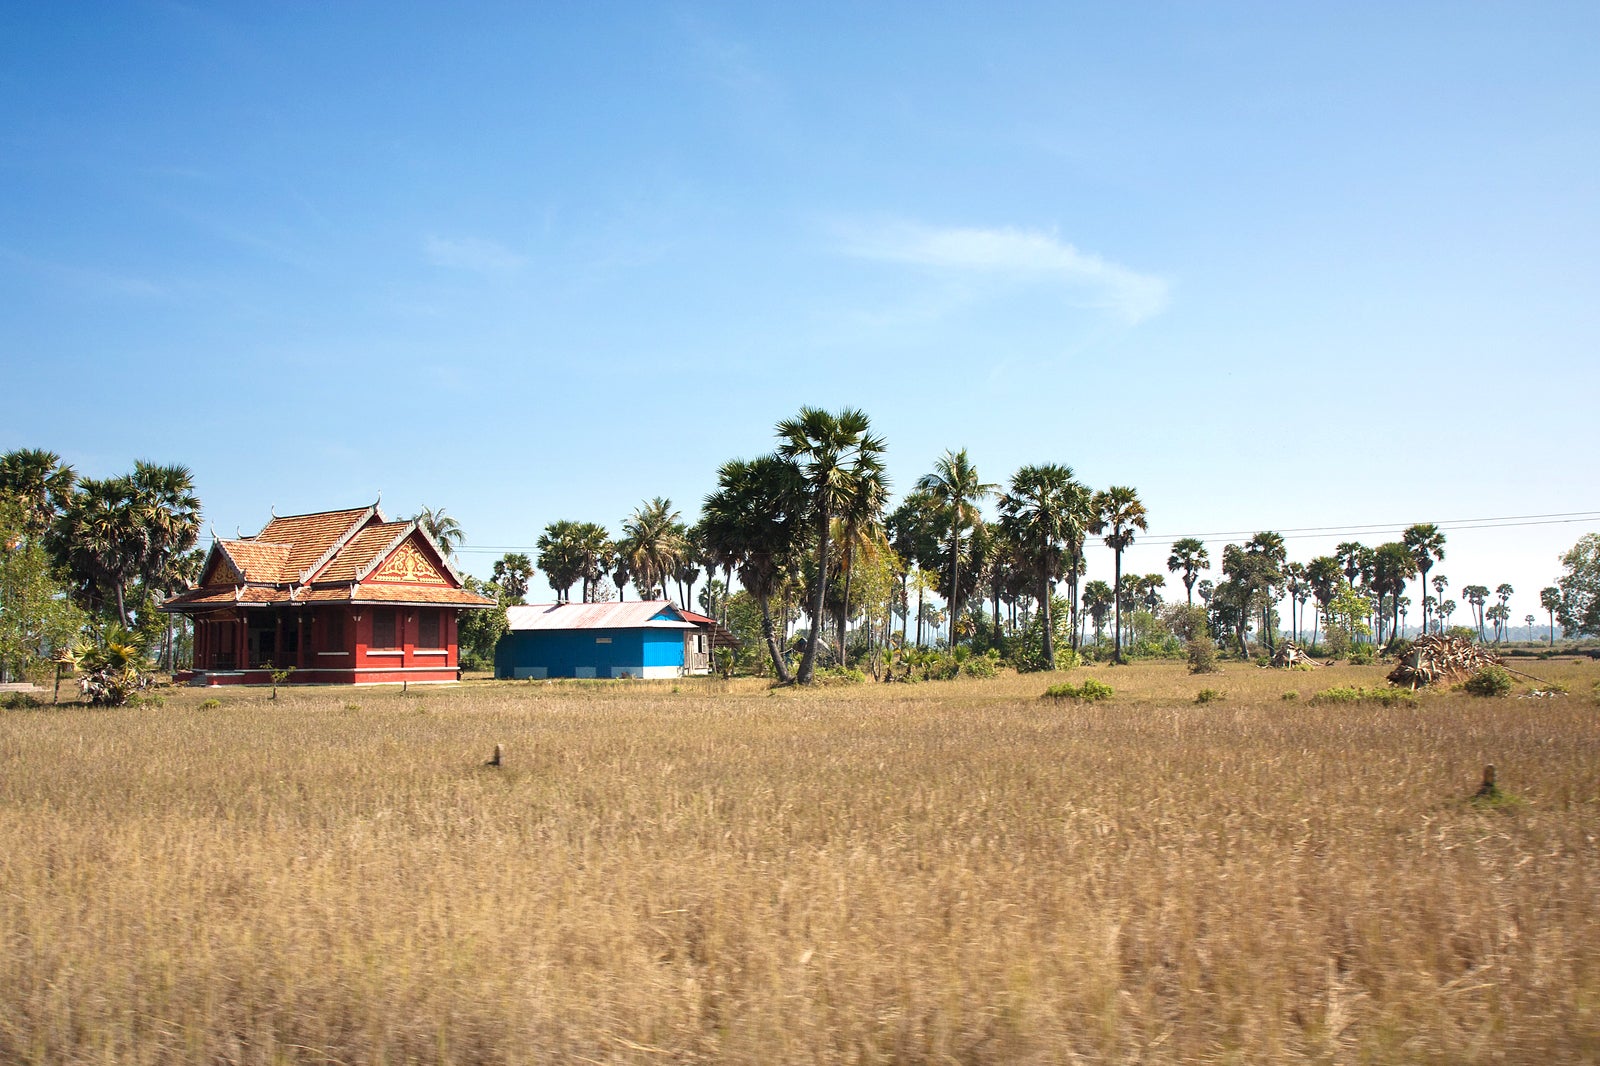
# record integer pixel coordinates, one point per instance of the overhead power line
(1297, 533)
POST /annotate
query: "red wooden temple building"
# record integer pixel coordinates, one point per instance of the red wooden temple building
(342, 597)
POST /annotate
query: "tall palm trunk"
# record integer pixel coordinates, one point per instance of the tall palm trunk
(1049, 624)
(1116, 604)
(769, 631)
(955, 581)
(808, 662)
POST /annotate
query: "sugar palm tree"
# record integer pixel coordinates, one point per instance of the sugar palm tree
(1268, 556)
(655, 544)
(1550, 600)
(858, 530)
(512, 572)
(1118, 512)
(1393, 566)
(755, 522)
(956, 490)
(1039, 515)
(1426, 543)
(560, 556)
(1355, 558)
(1098, 601)
(1324, 575)
(834, 453)
(1190, 556)
(1476, 596)
(39, 484)
(1440, 583)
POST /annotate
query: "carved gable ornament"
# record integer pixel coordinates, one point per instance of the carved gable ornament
(408, 566)
(223, 573)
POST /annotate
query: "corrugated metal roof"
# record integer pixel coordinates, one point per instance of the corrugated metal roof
(637, 614)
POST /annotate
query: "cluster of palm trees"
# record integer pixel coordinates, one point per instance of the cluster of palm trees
(119, 545)
(807, 524)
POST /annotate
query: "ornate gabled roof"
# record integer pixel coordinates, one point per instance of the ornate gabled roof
(326, 557)
(315, 537)
(254, 562)
(361, 550)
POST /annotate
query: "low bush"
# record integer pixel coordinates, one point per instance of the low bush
(211, 704)
(1207, 695)
(1361, 655)
(983, 666)
(1347, 694)
(838, 675)
(1290, 696)
(1091, 691)
(1203, 655)
(17, 701)
(1489, 681)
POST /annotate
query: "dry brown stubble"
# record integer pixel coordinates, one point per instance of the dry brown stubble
(953, 872)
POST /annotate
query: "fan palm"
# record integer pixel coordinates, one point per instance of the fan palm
(955, 489)
(1425, 542)
(1118, 512)
(833, 453)
(39, 484)
(1038, 514)
(1190, 556)
(754, 522)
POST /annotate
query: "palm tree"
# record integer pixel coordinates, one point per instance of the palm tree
(1324, 575)
(1440, 583)
(1268, 555)
(1426, 544)
(655, 545)
(1550, 600)
(1190, 556)
(445, 530)
(1098, 600)
(1117, 513)
(956, 490)
(1393, 566)
(834, 453)
(859, 530)
(915, 538)
(1038, 514)
(755, 521)
(1504, 592)
(39, 484)
(1476, 596)
(560, 556)
(1297, 583)
(512, 572)
(1356, 558)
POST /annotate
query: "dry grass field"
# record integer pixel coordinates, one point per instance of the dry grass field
(712, 872)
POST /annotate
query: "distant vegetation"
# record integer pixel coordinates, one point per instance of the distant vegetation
(801, 554)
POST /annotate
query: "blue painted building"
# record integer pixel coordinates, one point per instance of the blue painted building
(643, 639)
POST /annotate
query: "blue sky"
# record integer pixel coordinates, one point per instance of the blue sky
(1276, 266)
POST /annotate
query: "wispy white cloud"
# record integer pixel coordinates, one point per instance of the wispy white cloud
(473, 253)
(1016, 255)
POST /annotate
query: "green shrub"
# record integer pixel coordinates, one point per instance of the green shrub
(836, 675)
(1290, 696)
(1389, 697)
(1091, 691)
(1203, 655)
(983, 666)
(1398, 648)
(17, 701)
(1489, 681)
(211, 704)
(1207, 695)
(1361, 655)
